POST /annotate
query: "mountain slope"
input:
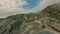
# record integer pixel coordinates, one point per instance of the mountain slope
(32, 23)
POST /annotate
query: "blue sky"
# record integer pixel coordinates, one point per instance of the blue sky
(31, 4)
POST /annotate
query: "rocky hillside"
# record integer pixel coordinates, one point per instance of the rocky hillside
(47, 21)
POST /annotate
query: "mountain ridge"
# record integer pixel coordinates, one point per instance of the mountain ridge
(48, 19)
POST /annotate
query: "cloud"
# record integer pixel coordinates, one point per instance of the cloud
(43, 4)
(12, 7)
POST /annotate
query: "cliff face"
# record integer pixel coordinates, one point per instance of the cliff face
(46, 20)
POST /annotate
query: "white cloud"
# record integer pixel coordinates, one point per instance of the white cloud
(10, 7)
(21, 2)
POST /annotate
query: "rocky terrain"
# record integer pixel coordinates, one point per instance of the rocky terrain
(46, 21)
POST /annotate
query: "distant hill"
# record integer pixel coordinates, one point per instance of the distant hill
(33, 23)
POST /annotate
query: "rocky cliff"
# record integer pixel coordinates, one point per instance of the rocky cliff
(33, 23)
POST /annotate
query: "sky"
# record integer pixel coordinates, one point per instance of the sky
(31, 4)
(13, 7)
